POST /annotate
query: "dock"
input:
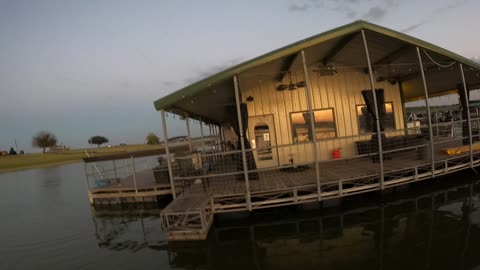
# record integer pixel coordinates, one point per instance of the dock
(190, 215)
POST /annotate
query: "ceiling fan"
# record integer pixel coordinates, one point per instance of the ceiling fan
(291, 86)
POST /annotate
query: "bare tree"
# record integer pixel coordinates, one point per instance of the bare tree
(44, 139)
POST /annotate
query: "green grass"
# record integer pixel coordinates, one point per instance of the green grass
(28, 161)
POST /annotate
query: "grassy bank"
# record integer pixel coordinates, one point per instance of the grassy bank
(28, 161)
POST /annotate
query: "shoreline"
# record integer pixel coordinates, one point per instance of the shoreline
(38, 166)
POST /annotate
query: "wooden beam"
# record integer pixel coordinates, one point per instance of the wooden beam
(287, 66)
(389, 58)
(341, 44)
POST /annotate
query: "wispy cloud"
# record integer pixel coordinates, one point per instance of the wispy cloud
(435, 13)
(201, 73)
(375, 10)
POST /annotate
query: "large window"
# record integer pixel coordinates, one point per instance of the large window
(324, 125)
(366, 121)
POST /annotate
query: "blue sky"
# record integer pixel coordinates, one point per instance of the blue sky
(81, 68)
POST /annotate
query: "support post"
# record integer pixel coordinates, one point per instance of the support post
(377, 119)
(189, 138)
(115, 170)
(242, 142)
(167, 152)
(467, 104)
(404, 111)
(429, 115)
(312, 123)
(203, 139)
(134, 174)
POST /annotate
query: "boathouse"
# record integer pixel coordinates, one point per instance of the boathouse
(337, 114)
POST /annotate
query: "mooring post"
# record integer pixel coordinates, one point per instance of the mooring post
(312, 124)
(377, 119)
(467, 105)
(167, 152)
(242, 143)
(134, 174)
(429, 115)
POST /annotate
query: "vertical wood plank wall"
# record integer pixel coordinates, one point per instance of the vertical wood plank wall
(342, 92)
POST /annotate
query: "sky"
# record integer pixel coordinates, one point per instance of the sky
(84, 68)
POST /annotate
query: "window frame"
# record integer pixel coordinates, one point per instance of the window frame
(314, 110)
(369, 132)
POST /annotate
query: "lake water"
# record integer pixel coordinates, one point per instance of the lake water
(47, 223)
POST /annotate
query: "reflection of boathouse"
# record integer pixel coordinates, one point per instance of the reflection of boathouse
(431, 228)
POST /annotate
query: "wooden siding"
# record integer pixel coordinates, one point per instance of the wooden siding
(341, 92)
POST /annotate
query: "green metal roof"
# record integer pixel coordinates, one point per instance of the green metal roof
(193, 89)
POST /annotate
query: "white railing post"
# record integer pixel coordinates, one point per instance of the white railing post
(468, 115)
(312, 124)
(429, 115)
(377, 118)
(167, 152)
(242, 143)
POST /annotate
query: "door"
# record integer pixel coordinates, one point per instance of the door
(261, 131)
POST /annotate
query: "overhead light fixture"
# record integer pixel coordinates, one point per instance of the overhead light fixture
(291, 85)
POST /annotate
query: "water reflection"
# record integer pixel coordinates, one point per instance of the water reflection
(426, 227)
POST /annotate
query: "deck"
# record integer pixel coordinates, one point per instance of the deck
(287, 186)
(145, 188)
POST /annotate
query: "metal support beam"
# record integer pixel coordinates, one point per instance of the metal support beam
(404, 111)
(203, 139)
(167, 152)
(189, 136)
(429, 115)
(312, 123)
(242, 143)
(468, 114)
(341, 44)
(377, 119)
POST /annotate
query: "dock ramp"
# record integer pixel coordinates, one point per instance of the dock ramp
(188, 217)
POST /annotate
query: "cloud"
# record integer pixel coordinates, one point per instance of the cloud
(298, 7)
(436, 12)
(202, 73)
(414, 26)
(374, 10)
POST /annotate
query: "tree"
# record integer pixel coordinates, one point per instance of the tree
(152, 138)
(44, 139)
(98, 140)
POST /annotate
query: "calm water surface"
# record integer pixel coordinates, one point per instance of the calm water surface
(47, 223)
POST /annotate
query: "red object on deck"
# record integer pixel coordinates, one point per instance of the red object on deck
(336, 154)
